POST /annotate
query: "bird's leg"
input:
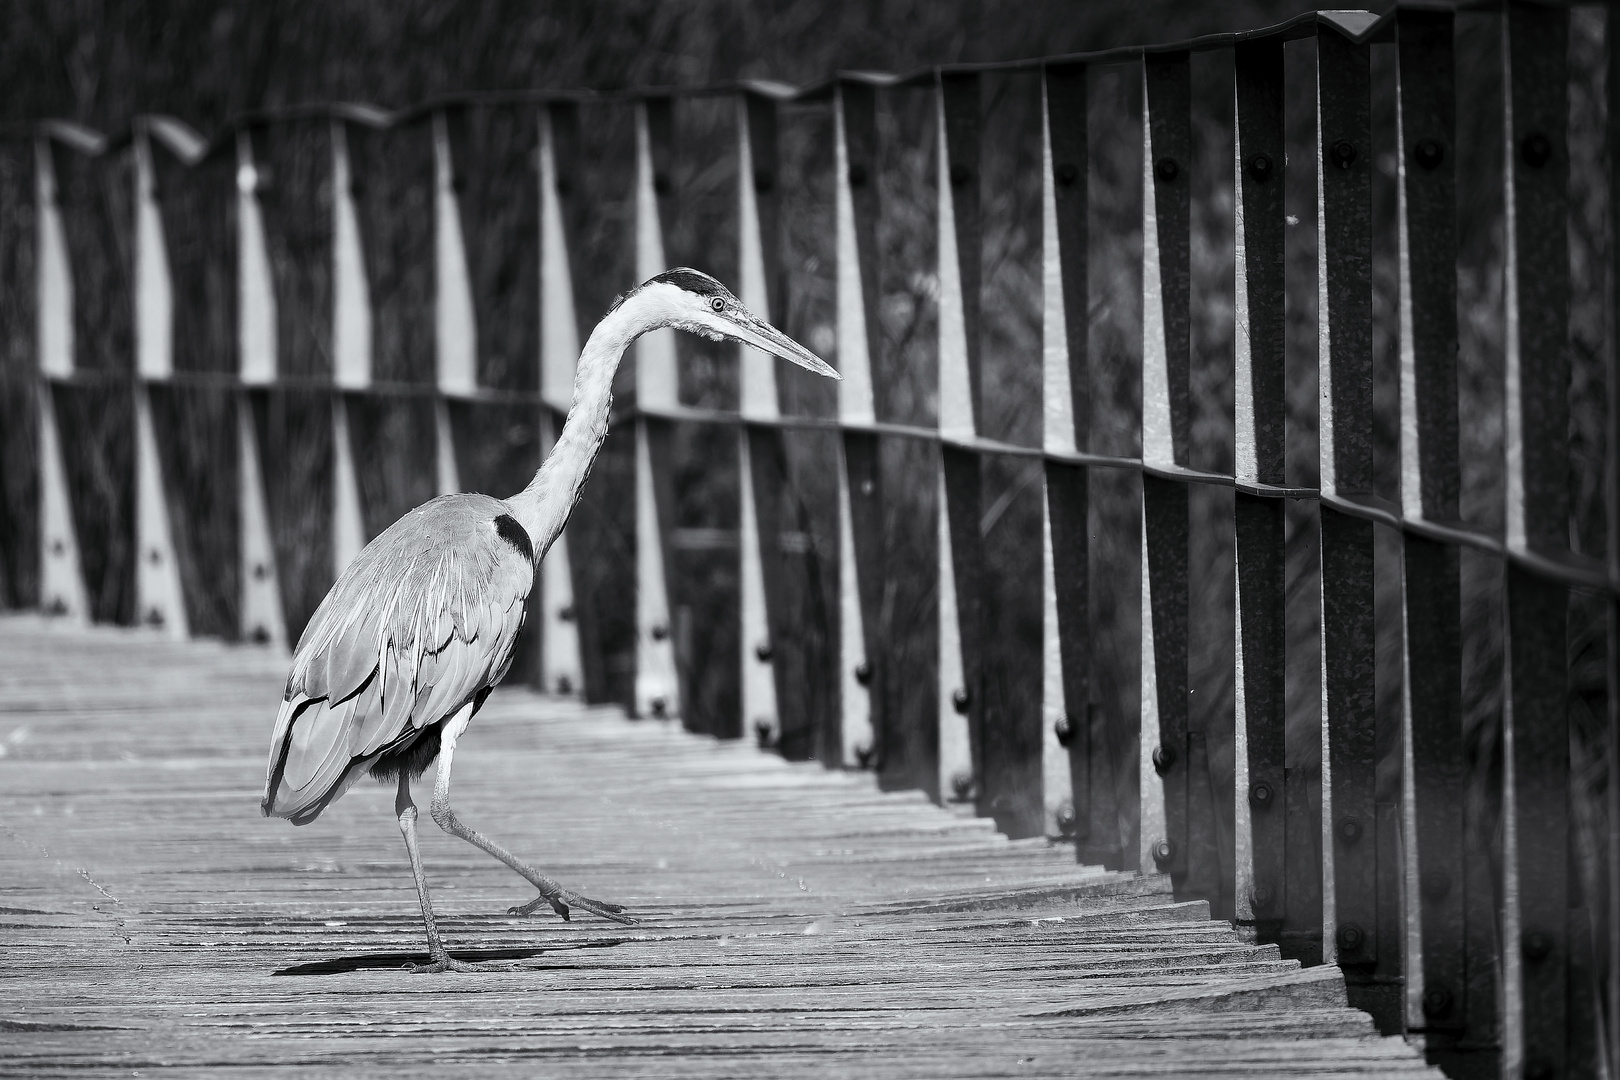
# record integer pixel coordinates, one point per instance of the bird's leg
(558, 897)
(438, 959)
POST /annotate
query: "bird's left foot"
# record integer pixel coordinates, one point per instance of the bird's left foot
(449, 963)
(561, 900)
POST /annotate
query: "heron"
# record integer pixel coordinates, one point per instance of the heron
(422, 625)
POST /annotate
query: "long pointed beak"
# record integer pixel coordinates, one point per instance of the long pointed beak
(749, 329)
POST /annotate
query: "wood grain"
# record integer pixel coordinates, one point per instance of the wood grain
(795, 921)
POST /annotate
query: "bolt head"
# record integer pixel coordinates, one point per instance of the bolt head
(565, 685)
(1349, 830)
(260, 571)
(1436, 1002)
(1260, 897)
(259, 636)
(566, 614)
(660, 706)
(1261, 795)
(1066, 173)
(1260, 168)
(1065, 818)
(1428, 153)
(764, 652)
(1342, 153)
(154, 556)
(660, 632)
(1537, 946)
(864, 755)
(764, 733)
(1063, 728)
(1435, 884)
(1163, 852)
(1163, 758)
(1536, 149)
(962, 786)
(863, 673)
(58, 548)
(154, 617)
(961, 699)
(1166, 169)
(1350, 938)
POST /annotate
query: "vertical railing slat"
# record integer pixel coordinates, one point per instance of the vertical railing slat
(1540, 1008)
(351, 351)
(657, 689)
(1261, 851)
(1351, 837)
(1437, 999)
(860, 515)
(562, 668)
(961, 558)
(455, 324)
(1066, 741)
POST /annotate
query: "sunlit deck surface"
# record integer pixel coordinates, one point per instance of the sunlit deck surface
(795, 921)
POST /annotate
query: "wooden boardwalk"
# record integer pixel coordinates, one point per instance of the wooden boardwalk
(794, 921)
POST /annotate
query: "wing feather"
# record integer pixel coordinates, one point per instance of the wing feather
(421, 621)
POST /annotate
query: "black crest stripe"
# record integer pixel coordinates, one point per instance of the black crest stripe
(509, 530)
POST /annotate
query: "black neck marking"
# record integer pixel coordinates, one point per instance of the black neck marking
(508, 529)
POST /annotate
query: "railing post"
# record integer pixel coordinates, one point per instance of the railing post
(351, 351)
(455, 325)
(1261, 852)
(860, 508)
(1067, 757)
(1543, 1005)
(657, 691)
(961, 566)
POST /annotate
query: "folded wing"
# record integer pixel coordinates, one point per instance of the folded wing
(426, 617)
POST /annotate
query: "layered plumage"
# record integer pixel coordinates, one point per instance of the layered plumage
(423, 621)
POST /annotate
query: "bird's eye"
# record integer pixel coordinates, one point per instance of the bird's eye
(718, 304)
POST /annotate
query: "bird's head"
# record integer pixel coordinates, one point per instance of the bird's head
(693, 301)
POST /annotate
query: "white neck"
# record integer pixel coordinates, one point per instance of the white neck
(543, 507)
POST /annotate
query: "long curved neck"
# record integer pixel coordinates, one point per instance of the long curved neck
(543, 507)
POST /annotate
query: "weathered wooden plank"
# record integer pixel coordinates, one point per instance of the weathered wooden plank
(796, 919)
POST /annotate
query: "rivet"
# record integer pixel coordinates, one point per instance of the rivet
(1063, 729)
(960, 700)
(154, 617)
(260, 571)
(1163, 852)
(1349, 830)
(1342, 153)
(1260, 897)
(1436, 1002)
(962, 785)
(1065, 818)
(1260, 795)
(566, 614)
(1537, 946)
(56, 607)
(58, 548)
(660, 706)
(764, 652)
(1260, 167)
(1166, 169)
(1066, 174)
(863, 673)
(1429, 153)
(960, 175)
(764, 732)
(1163, 758)
(260, 636)
(660, 632)
(154, 556)
(857, 174)
(1536, 149)
(1350, 938)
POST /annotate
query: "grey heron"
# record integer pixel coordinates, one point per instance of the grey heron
(409, 642)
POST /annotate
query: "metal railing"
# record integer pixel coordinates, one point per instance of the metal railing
(229, 361)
